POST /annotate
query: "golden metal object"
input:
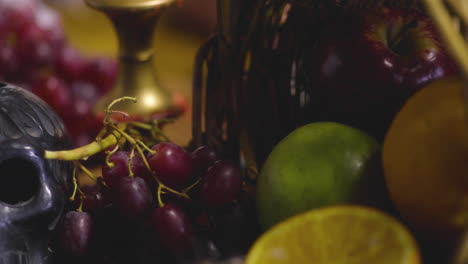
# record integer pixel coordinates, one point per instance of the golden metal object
(134, 22)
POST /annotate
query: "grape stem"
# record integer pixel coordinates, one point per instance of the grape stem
(84, 151)
(75, 189)
(80, 208)
(160, 202)
(75, 185)
(86, 171)
(109, 154)
(145, 147)
(191, 186)
(172, 190)
(130, 160)
(108, 110)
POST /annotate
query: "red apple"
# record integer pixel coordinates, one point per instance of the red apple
(364, 67)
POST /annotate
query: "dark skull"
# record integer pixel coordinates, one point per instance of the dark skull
(33, 190)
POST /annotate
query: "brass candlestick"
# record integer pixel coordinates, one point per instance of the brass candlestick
(134, 22)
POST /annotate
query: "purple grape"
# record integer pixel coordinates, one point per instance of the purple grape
(119, 170)
(32, 47)
(95, 198)
(221, 184)
(76, 233)
(172, 164)
(54, 91)
(235, 226)
(131, 196)
(69, 63)
(202, 158)
(102, 72)
(49, 21)
(8, 60)
(173, 228)
(19, 13)
(139, 170)
(82, 90)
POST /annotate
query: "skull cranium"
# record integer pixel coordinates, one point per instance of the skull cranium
(32, 189)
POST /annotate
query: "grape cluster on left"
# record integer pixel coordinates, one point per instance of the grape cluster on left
(153, 201)
(161, 203)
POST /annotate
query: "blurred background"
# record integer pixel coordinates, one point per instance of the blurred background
(178, 35)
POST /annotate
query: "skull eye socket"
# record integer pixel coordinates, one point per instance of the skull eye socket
(19, 180)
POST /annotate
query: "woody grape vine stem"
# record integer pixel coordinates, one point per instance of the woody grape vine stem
(116, 134)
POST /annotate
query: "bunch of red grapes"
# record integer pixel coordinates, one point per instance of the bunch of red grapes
(35, 55)
(188, 207)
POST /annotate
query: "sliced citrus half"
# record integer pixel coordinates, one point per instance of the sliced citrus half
(337, 235)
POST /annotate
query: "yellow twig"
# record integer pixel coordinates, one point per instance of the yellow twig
(460, 7)
(452, 37)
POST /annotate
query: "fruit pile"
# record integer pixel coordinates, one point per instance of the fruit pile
(35, 55)
(312, 176)
(163, 203)
(365, 66)
(388, 130)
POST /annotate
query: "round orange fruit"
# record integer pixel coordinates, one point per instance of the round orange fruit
(336, 234)
(425, 160)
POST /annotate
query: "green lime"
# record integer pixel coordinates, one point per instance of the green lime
(317, 165)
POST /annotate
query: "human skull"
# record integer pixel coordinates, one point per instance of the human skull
(32, 189)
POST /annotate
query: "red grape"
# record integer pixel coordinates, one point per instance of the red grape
(221, 184)
(202, 158)
(32, 47)
(119, 170)
(54, 91)
(94, 198)
(19, 13)
(76, 233)
(81, 110)
(69, 63)
(139, 169)
(173, 227)
(50, 23)
(131, 196)
(235, 226)
(102, 73)
(81, 138)
(83, 90)
(8, 60)
(172, 164)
